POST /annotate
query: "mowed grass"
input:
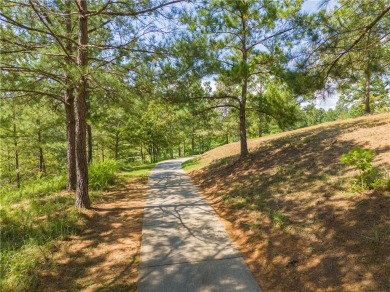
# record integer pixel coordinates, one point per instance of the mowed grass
(37, 217)
(294, 209)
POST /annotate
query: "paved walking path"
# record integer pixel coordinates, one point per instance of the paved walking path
(184, 245)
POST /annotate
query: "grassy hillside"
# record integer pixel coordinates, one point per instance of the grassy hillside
(301, 218)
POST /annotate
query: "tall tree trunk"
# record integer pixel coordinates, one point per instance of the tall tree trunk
(184, 148)
(102, 152)
(151, 152)
(171, 153)
(243, 140)
(9, 164)
(69, 107)
(227, 135)
(193, 140)
(367, 108)
(70, 139)
(90, 150)
(260, 126)
(179, 151)
(16, 156)
(142, 154)
(82, 197)
(116, 144)
(244, 90)
(42, 167)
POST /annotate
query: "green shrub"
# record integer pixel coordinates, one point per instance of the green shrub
(361, 159)
(102, 174)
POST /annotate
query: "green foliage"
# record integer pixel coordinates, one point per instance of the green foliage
(35, 189)
(32, 219)
(361, 159)
(102, 174)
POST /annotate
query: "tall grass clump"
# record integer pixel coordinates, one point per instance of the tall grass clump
(37, 188)
(32, 220)
(102, 174)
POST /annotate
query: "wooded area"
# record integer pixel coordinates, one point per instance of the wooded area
(137, 81)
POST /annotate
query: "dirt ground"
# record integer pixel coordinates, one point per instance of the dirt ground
(105, 256)
(291, 209)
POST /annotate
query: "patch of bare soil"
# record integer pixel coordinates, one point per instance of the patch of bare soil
(290, 208)
(105, 256)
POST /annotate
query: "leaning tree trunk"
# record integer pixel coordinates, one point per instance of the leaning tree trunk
(82, 197)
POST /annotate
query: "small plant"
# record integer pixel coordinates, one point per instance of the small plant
(377, 234)
(362, 160)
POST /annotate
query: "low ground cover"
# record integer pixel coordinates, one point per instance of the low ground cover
(295, 213)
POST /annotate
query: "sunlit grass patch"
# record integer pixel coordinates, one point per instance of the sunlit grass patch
(136, 171)
(190, 164)
(29, 230)
(102, 174)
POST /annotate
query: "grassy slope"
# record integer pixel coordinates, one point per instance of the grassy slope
(46, 245)
(291, 210)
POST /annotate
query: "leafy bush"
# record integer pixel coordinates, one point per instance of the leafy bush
(102, 174)
(361, 159)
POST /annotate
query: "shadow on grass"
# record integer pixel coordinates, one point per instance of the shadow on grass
(104, 256)
(303, 225)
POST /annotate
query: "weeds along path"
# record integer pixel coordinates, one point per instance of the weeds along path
(104, 256)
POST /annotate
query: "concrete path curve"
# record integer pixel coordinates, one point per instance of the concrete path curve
(184, 245)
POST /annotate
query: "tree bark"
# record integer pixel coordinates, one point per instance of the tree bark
(16, 156)
(9, 165)
(42, 167)
(102, 152)
(70, 139)
(90, 150)
(243, 141)
(82, 197)
(260, 129)
(193, 140)
(142, 154)
(116, 144)
(367, 108)
(69, 108)
(244, 89)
